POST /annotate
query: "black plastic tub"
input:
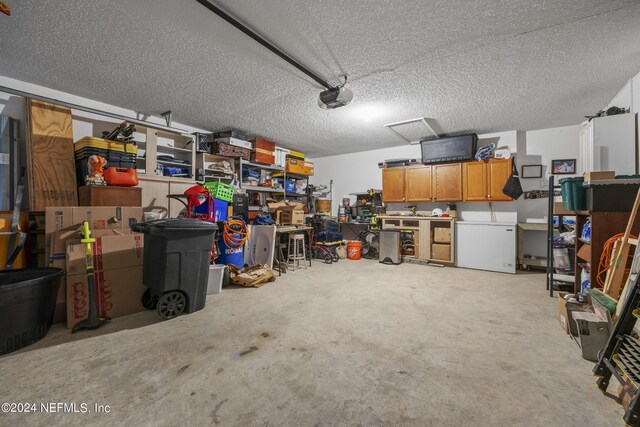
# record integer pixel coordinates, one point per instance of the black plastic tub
(27, 301)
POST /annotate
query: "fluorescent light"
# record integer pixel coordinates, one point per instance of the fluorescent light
(368, 113)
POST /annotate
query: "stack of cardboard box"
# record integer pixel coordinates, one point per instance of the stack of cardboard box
(117, 255)
(441, 247)
(287, 213)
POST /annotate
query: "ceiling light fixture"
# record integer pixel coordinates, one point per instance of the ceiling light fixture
(367, 113)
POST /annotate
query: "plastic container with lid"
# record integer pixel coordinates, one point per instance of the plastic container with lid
(177, 255)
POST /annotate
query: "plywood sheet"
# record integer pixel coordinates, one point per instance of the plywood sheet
(51, 174)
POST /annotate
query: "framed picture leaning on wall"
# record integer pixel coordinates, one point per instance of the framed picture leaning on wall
(563, 166)
(531, 171)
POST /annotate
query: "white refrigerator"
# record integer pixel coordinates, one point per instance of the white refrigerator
(487, 246)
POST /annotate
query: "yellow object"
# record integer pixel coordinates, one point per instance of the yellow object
(91, 142)
(299, 167)
(296, 154)
(5, 226)
(87, 240)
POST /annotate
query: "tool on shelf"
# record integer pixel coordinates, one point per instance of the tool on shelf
(93, 321)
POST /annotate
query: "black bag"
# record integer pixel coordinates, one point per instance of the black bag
(513, 188)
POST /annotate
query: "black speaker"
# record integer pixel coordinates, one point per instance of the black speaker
(241, 206)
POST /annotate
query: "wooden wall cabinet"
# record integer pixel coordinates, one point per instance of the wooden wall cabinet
(474, 185)
(499, 171)
(450, 182)
(447, 182)
(483, 181)
(418, 184)
(393, 185)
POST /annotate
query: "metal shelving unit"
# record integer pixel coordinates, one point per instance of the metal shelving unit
(241, 164)
(554, 279)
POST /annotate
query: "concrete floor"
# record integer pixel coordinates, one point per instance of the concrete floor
(355, 343)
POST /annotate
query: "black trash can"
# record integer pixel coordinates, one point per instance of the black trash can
(177, 255)
(27, 302)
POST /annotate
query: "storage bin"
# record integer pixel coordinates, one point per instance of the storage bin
(105, 144)
(573, 194)
(216, 274)
(611, 197)
(27, 302)
(220, 190)
(177, 256)
(221, 207)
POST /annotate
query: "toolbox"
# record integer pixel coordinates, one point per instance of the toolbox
(299, 167)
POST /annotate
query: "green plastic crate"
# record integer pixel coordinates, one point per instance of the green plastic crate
(220, 190)
(573, 194)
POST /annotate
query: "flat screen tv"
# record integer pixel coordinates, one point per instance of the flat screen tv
(449, 149)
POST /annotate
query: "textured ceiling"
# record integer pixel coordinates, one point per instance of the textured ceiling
(481, 65)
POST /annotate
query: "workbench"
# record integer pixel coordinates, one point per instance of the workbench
(280, 260)
(423, 234)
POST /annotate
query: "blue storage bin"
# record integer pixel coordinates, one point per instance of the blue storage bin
(221, 208)
(291, 186)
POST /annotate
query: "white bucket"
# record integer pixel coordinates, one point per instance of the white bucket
(216, 274)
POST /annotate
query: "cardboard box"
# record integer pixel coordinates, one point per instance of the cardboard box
(290, 215)
(100, 218)
(597, 176)
(118, 277)
(274, 206)
(57, 258)
(299, 167)
(119, 293)
(565, 313)
(441, 252)
(263, 144)
(97, 195)
(108, 253)
(442, 235)
(558, 209)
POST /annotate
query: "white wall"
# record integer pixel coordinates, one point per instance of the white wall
(358, 172)
(629, 97)
(623, 99)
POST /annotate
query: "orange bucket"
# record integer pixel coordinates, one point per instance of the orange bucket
(354, 249)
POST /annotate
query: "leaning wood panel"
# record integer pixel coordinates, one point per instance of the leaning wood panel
(52, 175)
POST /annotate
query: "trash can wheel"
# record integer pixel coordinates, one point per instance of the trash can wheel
(149, 301)
(171, 304)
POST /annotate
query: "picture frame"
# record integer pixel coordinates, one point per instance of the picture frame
(531, 171)
(563, 166)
